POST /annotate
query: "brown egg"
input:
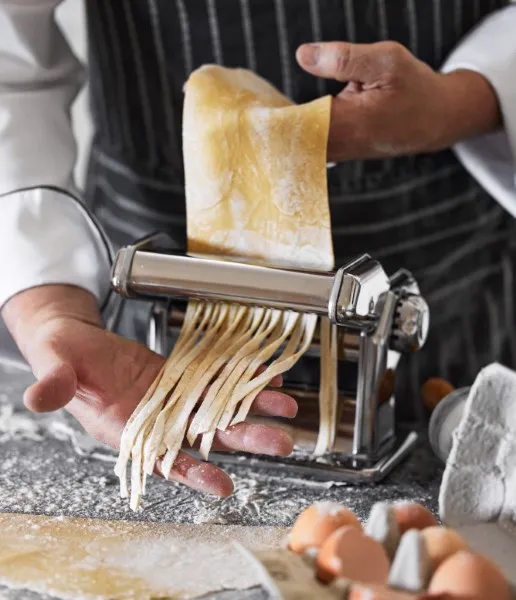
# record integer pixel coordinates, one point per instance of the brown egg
(441, 543)
(467, 575)
(410, 515)
(434, 390)
(359, 591)
(386, 386)
(317, 522)
(349, 553)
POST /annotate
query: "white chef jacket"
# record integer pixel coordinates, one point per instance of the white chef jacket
(46, 233)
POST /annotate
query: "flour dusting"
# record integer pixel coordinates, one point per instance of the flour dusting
(57, 476)
(329, 509)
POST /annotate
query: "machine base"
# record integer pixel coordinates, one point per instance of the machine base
(331, 468)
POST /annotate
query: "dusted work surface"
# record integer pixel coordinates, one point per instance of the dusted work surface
(41, 473)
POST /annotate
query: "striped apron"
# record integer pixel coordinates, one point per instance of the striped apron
(421, 212)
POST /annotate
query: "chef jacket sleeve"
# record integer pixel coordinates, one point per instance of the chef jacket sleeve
(47, 235)
(490, 49)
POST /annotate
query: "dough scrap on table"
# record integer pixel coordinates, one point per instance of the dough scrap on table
(119, 560)
(256, 189)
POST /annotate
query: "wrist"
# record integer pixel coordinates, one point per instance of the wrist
(470, 106)
(30, 311)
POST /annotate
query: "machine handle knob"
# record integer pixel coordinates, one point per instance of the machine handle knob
(411, 323)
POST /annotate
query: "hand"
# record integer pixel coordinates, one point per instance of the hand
(100, 377)
(394, 104)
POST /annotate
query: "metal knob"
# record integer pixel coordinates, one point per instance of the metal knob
(411, 323)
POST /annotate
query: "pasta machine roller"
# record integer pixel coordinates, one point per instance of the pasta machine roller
(379, 318)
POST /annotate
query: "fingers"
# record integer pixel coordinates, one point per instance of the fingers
(55, 388)
(244, 437)
(254, 439)
(260, 439)
(275, 381)
(365, 63)
(200, 476)
(274, 404)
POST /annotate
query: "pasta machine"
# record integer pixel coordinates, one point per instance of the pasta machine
(379, 318)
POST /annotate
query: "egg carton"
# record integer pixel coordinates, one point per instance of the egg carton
(288, 575)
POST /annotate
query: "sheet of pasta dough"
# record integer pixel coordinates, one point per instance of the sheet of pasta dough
(92, 558)
(255, 170)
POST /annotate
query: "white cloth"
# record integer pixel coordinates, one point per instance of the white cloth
(490, 49)
(47, 237)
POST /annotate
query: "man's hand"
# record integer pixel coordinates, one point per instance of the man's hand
(100, 377)
(394, 104)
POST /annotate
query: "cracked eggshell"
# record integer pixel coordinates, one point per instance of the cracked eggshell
(351, 554)
(317, 523)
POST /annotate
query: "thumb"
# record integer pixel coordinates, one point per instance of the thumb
(363, 63)
(56, 385)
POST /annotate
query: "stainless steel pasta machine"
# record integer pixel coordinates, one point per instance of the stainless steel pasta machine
(379, 318)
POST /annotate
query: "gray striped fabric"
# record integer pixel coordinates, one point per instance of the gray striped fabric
(423, 212)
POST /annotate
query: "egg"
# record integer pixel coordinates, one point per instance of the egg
(349, 553)
(386, 386)
(467, 575)
(410, 515)
(317, 522)
(434, 390)
(441, 543)
(359, 591)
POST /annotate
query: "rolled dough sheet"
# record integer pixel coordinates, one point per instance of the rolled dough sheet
(90, 558)
(255, 170)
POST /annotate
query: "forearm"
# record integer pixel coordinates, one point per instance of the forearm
(470, 107)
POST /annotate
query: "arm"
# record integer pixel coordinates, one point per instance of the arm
(490, 51)
(394, 104)
(46, 233)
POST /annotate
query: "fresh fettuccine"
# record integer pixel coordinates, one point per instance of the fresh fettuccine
(255, 178)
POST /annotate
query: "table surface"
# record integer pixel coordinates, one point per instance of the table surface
(41, 472)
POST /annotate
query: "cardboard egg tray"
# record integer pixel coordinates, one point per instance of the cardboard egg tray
(288, 575)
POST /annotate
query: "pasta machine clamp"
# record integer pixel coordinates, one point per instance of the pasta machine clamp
(379, 318)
